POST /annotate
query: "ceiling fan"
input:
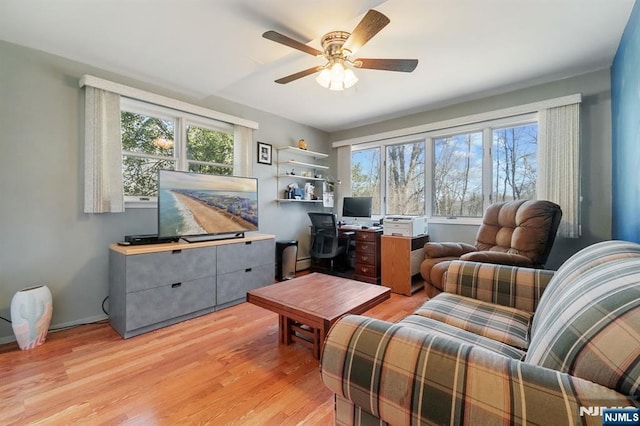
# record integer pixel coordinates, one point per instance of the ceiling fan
(338, 46)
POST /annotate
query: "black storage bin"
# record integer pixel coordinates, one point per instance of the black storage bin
(286, 257)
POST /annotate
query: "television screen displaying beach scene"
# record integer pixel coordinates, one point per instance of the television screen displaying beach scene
(201, 204)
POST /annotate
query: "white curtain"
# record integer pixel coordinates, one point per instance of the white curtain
(559, 164)
(103, 189)
(343, 178)
(242, 142)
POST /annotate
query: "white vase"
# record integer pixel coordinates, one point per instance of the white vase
(31, 310)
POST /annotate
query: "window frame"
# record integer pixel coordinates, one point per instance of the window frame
(485, 127)
(182, 120)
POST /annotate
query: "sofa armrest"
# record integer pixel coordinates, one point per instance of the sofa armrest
(498, 257)
(435, 250)
(408, 376)
(512, 286)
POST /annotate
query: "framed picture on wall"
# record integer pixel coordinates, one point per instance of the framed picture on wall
(264, 153)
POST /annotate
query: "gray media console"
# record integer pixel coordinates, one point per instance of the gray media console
(152, 286)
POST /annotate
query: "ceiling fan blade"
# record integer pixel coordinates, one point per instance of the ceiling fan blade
(299, 74)
(288, 41)
(369, 26)
(402, 65)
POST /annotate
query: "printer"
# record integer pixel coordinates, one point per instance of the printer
(405, 226)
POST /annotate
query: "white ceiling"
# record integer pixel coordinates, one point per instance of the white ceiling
(202, 48)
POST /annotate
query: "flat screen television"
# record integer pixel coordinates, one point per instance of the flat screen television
(356, 207)
(196, 206)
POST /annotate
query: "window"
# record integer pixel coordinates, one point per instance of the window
(450, 174)
(457, 177)
(405, 179)
(155, 138)
(514, 162)
(365, 176)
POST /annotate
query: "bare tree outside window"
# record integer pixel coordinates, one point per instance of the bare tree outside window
(405, 179)
(365, 176)
(458, 175)
(514, 162)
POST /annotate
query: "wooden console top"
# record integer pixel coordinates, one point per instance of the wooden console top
(182, 245)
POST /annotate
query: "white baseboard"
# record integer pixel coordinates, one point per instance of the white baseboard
(302, 264)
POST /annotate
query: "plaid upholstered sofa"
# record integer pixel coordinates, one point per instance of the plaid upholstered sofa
(501, 345)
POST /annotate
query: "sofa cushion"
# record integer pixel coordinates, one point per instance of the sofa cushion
(587, 322)
(438, 328)
(497, 322)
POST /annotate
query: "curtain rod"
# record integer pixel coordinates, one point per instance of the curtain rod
(142, 95)
(461, 121)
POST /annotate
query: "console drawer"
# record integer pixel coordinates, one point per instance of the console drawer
(145, 271)
(155, 305)
(233, 286)
(240, 256)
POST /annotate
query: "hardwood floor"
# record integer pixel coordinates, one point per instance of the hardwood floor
(223, 368)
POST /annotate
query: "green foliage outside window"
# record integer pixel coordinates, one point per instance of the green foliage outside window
(148, 145)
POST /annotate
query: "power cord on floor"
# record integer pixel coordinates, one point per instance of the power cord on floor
(75, 325)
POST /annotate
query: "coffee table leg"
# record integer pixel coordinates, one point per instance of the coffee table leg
(284, 325)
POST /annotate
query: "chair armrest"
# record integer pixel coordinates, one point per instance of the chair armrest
(499, 257)
(408, 376)
(512, 286)
(435, 250)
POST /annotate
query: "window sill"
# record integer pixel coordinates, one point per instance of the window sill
(475, 221)
(140, 203)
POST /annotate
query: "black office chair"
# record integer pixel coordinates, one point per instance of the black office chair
(326, 241)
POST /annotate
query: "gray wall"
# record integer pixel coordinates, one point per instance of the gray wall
(45, 236)
(595, 145)
(46, 239)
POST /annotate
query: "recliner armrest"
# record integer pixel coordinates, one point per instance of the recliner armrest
(512, 286)
(498, 257)
(409, 376)
(435, 250)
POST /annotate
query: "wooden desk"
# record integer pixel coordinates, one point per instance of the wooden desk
(365, 254)
(367, 265)
(401, 259)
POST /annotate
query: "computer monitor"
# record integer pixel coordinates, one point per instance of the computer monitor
(354, 208)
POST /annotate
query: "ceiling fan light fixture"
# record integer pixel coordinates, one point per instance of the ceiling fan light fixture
(336, 76)
(324, 78)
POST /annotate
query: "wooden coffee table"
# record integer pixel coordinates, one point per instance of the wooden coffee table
(309, 305)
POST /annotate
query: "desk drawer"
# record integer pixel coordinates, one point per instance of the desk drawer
(365, 270)
(366, 236)
(366, 258)
(366, 247)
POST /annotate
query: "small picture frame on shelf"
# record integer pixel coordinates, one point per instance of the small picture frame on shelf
(264, 153)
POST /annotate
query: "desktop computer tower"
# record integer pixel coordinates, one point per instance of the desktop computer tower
(286, 258)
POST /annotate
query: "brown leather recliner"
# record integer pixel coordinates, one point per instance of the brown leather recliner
(518, 233)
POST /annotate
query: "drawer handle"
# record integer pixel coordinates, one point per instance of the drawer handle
(246, 243)
(176, 251)
(365, 270)
(365, 258)
(248, 270)
(176, 285)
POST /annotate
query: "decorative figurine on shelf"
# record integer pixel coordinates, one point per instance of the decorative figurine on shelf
(308, 191)
(302, 144)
